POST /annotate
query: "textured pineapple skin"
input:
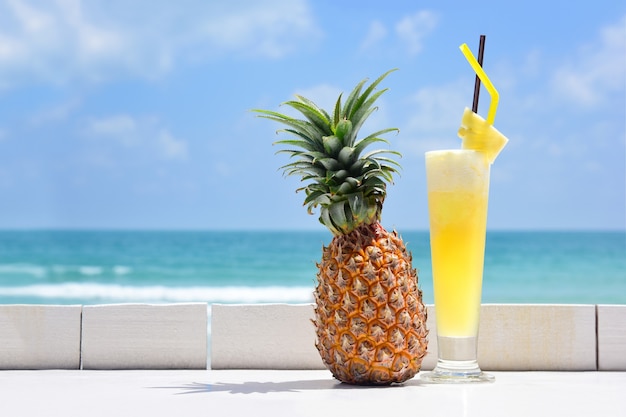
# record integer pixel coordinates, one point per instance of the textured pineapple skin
(370, 320)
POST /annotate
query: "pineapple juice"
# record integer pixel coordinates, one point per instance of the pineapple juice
(458, 190)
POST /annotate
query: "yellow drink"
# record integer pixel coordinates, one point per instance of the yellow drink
(458, 191)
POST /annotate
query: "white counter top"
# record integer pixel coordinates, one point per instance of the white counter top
(302, 393)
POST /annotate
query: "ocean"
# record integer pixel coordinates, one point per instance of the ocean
(100, 267)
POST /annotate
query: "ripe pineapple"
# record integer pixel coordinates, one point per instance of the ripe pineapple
(370, 319)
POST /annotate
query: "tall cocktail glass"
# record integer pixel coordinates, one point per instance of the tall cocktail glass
(458, 193)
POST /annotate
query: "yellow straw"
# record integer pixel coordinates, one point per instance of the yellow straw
(493, 93)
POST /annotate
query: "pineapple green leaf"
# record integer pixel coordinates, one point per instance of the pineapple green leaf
(363, 210)
(314, 116)
(363, 111)
(298, 134)
(347, 156)
(337, 112)
(357, 124)
(388, 164)
(352, 181)
(346, 182)
(302, 172)
(329, 163)
(343, 130)
(305, 129)
(358, 166)
(375, 186)
(313, 178)
(372, 154)
(361, 100)
(315, 198)
(302, 169)
(374, 137)
(305, 158)
(344, 188)
(325, 197)
(311, 195)
(357, 205)
(326, 220)
(313, 106)
(338, 214)
(380, 173)
(292, 153)
(352, 98)
(313, 156)
(338, 175)
(332, 145)
(360, 146)
(361, 115)
(300, 143)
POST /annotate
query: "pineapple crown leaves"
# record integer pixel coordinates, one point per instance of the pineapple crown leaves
(347, 184)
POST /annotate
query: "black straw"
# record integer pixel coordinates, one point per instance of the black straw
(481, 52)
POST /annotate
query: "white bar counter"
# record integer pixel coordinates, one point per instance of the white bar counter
(277, 393)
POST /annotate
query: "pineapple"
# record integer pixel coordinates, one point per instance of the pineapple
(370, 321)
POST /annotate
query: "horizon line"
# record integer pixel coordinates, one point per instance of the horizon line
(267, 230)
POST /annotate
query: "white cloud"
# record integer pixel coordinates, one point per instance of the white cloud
(377, 32)
(222, 169)
(144, 133)
(64, 40)
(410, 32)
(170, 147)
(265, 28)
(32, 20)
(580, 97)
(56, 113)
(53, 42)
(413, 29)
(435, 117)
(122, 128)
(597, 69)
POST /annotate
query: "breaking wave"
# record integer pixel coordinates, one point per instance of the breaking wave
(93, 292)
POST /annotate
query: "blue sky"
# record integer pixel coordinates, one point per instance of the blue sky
(135, 114)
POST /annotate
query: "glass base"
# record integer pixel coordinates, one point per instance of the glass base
(457, 363)
(456, 372)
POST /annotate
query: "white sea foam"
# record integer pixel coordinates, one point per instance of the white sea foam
(39, 271)
(90, 270)
(23, 269)
(93, 292)
(122, 270)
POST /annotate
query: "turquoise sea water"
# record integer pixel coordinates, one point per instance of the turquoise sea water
(95, 267)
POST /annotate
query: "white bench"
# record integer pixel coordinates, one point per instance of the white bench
(280, 336)
(141, 336)
(511, 337)
(39, 337)
(122, 336)
(612, 337)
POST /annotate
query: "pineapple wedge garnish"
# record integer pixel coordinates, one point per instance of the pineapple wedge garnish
(477, 134)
